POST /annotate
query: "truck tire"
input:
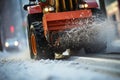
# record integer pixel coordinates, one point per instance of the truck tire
(38, 44)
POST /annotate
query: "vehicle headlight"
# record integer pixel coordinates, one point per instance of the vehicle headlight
(48, 9)
(86, 5)
(83, 6)
(51, 8)
(16, 43)
(6, 44)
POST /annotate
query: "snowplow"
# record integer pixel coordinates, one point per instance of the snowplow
(49, 20)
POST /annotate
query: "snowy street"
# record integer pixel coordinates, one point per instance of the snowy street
(74, 68)
(19, 66)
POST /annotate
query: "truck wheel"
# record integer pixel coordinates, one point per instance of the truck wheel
(33, 46)
(39, 48)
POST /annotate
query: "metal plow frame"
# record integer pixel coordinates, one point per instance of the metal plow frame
(57, 21)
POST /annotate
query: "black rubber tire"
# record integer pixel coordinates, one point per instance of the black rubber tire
(43, 50)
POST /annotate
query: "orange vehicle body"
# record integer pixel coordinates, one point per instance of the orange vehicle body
(57, 21)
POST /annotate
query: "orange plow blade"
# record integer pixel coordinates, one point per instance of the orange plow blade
(64, 20)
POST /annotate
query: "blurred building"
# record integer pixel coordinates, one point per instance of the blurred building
(113, 9)
(119, 4)
(113, 13)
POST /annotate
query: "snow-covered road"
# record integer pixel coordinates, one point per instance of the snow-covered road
(49, 70)
(75, 68)
(18, 66)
